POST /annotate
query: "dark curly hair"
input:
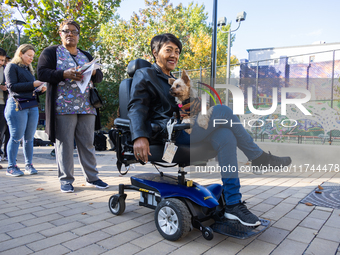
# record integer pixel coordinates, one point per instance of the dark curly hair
(2, 52)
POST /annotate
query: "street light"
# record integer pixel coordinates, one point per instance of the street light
(19, 24)
(213, 48)
(241, 16)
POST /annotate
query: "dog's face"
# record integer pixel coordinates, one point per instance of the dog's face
(180, 88)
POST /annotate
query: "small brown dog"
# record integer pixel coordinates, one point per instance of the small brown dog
(189, 103)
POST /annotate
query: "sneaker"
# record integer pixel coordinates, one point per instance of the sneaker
(267, 160)
(29, 169)
(241, 213)
(5, 158)
(14, 171)
(67, 188)
(98, 183)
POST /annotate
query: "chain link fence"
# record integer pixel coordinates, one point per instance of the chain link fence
(316, 72)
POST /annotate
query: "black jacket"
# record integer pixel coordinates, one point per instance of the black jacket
(19, 81)
(150, 101)
(5, 93)
(47, 72)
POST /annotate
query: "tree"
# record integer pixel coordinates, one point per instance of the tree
(123, 41)
(7, 32)
(44, 16)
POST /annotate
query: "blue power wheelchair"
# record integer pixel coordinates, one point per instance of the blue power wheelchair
(180, 204)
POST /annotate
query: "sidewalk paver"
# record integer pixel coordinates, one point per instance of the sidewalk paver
(321, 246)
(36, 218)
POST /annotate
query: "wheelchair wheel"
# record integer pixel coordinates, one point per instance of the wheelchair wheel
(208, 233)
(117, 204)
(173, 219)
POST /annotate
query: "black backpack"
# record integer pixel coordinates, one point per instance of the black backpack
(99, 141)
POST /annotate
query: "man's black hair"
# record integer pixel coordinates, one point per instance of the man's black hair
(159, 40)
(2, 52)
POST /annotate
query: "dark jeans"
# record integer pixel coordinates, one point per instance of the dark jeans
(225, 139)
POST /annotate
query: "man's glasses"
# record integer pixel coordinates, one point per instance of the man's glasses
(73, 32)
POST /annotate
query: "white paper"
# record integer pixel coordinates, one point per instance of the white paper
(85, 81)
(38, 89)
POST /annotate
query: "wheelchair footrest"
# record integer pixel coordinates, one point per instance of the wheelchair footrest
(235, 229)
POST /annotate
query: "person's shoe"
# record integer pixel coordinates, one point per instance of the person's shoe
(29, 169)
(14, 171)
(5, 158)
(98, 184)
(268, 161)
(241, 213)
(67, 188)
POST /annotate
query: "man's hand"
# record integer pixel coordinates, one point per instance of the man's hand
(72, 74)
(141, 149)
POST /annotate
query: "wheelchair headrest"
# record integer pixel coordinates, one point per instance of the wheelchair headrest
(136, 64)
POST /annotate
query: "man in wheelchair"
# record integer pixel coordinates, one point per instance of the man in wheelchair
(150, 102)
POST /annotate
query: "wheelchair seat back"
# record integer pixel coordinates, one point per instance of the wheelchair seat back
(125, 85)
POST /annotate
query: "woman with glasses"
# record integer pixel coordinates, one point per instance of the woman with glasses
(69, 113)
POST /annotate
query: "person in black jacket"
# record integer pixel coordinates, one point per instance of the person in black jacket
(21, 112)
(3, 99)
(151, 102)
(69, 114)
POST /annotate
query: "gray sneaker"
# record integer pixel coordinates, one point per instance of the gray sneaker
(29, 169)
(14, 171)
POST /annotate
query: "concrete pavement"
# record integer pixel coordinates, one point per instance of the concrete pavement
(35, 217)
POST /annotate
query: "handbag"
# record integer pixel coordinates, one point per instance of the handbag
(95, 99)
(25, 103)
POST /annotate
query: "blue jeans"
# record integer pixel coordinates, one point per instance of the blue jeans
(225, 138)
(21, 124)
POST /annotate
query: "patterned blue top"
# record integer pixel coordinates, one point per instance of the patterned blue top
(70, 100)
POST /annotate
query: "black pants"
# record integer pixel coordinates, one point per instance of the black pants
(3, 128)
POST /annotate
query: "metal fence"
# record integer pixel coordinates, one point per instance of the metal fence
(316, 72)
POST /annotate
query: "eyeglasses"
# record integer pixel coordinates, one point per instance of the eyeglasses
(73, 32)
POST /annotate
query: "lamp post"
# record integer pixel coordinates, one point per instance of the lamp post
(241, 16)
(19, 24)
(214, 46)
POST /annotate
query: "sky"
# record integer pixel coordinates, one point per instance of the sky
(269, 23)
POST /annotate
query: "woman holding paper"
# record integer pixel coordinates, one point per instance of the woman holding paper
(21, 112)
(69, 113)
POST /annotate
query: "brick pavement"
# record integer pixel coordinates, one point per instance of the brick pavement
(35, 217)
